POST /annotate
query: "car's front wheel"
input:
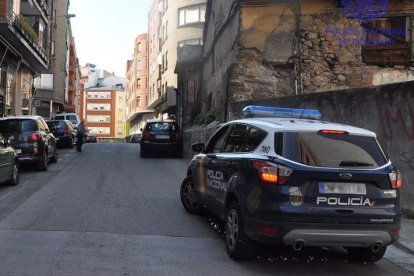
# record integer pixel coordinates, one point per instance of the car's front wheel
(188, 198)
(143, 152)
(238, 245)
(367, 254)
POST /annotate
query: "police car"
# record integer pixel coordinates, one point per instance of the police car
(293, 179)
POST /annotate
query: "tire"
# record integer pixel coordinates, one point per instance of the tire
(43, 163)
(238, 245)
(70, 145)
(14, 180)
(188, 198)
(365, 254)
(143, 152)
(55, 157)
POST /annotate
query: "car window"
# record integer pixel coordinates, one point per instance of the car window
(72, 118)
(18, 125)
(60, 117)
(216, 142)
(235, 140)
(254, 138)
(162, 127)
(330, 150)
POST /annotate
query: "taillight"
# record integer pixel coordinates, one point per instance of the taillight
(395, 179)
(178, 136)
(272, 173)
(66, 132)
(35, 137)
(145, 135)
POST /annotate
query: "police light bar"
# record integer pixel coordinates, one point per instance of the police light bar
(269, 111)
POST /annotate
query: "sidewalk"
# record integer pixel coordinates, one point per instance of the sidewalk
(407, 234)
(402, 251)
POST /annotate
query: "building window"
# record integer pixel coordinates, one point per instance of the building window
(138, 83)
(166, 60)
(387, 41)
(139, 47)
(195, 41)
(192, 14)
(138, 101)
(165, 4)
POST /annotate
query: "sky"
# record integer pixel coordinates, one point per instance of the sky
(105, 31)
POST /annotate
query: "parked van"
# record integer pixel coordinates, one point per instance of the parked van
(73, 117)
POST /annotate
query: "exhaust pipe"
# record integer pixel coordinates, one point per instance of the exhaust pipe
(297, 245)
(376, 247)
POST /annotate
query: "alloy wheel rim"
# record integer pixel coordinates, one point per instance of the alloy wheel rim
(232, 229)
(189, 197)
(15, 173)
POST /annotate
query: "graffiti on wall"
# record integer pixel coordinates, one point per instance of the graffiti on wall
(397, 122)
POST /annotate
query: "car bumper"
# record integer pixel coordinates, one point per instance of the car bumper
(28, 158)
(321, 234)
(162, 147)
(64, 140)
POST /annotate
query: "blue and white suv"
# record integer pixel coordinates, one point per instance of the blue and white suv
(296, 180)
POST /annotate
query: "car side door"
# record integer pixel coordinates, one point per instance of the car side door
(47, 136)
(229, 161)
(204, 184)
(5, 160)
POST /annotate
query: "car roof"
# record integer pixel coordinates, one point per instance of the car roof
(22, 117)
(306, 125)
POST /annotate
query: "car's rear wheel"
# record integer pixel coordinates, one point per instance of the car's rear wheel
(55, 157)
(15, 175)
(44, 162)
(367, 254)
(238, 245)
(188, 198)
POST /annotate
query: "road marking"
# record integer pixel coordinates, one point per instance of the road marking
(6, 194)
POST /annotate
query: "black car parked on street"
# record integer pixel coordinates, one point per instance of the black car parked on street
(31, 138)
(161, 136)
(64, 132)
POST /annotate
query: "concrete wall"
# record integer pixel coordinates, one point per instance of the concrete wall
(387, 110)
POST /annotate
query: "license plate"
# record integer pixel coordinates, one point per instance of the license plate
(18, 150)
(342, 188)
(162, 136)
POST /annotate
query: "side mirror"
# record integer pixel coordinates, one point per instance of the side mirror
(198, 147)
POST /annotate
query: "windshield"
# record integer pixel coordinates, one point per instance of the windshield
(329, 150)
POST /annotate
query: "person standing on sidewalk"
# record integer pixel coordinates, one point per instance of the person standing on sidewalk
(80, 135)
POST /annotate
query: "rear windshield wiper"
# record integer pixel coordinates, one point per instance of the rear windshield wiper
(349, 163)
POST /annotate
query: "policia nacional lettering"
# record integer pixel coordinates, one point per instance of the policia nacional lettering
(215, 180)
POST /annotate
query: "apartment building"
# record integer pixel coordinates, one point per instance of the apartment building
(24, 52)
(52, 89)
(137, 86)
(74, 89)
(105, 111)
(171, 24)
(102, 102)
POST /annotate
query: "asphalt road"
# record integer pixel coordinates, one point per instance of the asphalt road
(105, 211)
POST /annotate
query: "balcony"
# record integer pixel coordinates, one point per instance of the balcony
(17, 32)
